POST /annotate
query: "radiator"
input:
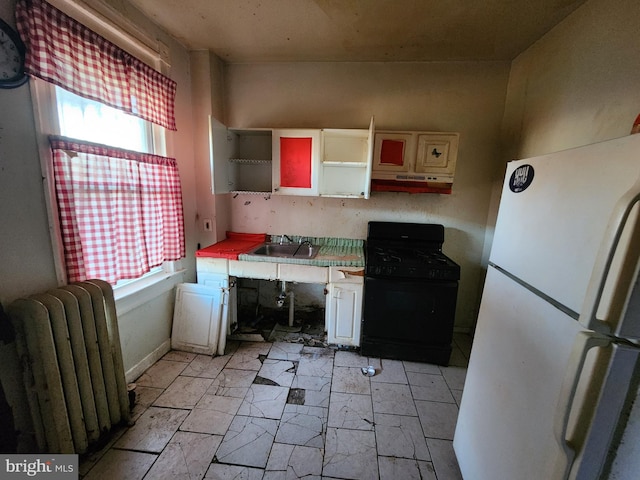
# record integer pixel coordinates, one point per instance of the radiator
(68, 341)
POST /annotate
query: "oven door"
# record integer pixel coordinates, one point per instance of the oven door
(412, 311)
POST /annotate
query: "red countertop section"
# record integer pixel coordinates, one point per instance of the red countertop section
(235, 244)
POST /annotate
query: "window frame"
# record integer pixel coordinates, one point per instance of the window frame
(107, 23)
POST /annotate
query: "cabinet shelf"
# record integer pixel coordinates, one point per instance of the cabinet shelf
(251, 192)
(345, 164)
(250, 161)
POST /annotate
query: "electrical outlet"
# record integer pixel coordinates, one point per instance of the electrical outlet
(208, 227)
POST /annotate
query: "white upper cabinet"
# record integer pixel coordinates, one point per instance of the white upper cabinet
(345, 169)
(426, 160)
(311, 162)
(296, 157)
(240, 159)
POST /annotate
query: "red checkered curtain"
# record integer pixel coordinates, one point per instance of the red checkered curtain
(66, 53)
(120, 211)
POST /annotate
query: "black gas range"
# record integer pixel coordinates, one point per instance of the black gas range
(410, 293)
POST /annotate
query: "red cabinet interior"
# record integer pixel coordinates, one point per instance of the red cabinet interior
(392, 152)
(295, 162)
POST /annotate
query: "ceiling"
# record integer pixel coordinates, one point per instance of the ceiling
(358, 30)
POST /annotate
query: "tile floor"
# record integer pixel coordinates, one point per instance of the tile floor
(283, 411)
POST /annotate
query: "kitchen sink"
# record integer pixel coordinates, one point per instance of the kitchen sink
(291, 250)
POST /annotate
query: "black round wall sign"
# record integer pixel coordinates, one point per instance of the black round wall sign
(521, 178)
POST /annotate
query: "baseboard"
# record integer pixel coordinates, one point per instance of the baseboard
(133, 373)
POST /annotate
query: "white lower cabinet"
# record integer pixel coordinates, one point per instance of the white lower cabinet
(257, 270)
(302, 273)
(344, 313)
(206, 311)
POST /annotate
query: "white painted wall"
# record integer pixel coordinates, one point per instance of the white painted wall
(460, 97)
(207, 87)
(578, 84)
(25, 245)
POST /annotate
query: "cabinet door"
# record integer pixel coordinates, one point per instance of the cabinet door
(345, 169)
(220, 148)
(437, 153)
(344, 313)
(393, 152)
(296, 155)
(197, 317)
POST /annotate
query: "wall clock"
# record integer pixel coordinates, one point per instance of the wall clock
(12, 53)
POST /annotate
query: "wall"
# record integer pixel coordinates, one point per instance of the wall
(25, 245)
(207, 85)
(578, 84)
(26, 256)
(460, 97)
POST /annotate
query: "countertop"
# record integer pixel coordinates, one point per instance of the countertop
(343, 252)
(232, 246)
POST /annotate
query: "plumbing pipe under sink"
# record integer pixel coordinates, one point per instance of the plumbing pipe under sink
(281, 298)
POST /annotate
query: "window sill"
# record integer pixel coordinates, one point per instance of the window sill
(131, 296)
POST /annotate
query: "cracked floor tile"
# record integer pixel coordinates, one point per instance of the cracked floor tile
(232, 383)
(213, 414)
(153, 430)
(317, 389)
(297, 461)
(316, 365)
(248, 442)
(187, 456)
(206, 366)
(264, 401)
(350, 454)
(350, 380)
(352, 411)
(280, 372)
(285, 351)
(184, 392)
(302, 425)
(219, 471)
(393, 398)
(400, 436)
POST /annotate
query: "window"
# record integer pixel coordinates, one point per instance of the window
(115, 203)
(85, 119)
(93, 121)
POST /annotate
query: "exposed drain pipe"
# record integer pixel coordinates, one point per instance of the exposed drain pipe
(291, 307)
(281, 298)
(283, 294)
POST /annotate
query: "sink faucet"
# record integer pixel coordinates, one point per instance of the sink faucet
(300, 246)
(282, 237)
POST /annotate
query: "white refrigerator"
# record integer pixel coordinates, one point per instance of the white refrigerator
(553, 372)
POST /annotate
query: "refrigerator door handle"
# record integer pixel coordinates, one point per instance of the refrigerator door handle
(617, 222)
(584, 342)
